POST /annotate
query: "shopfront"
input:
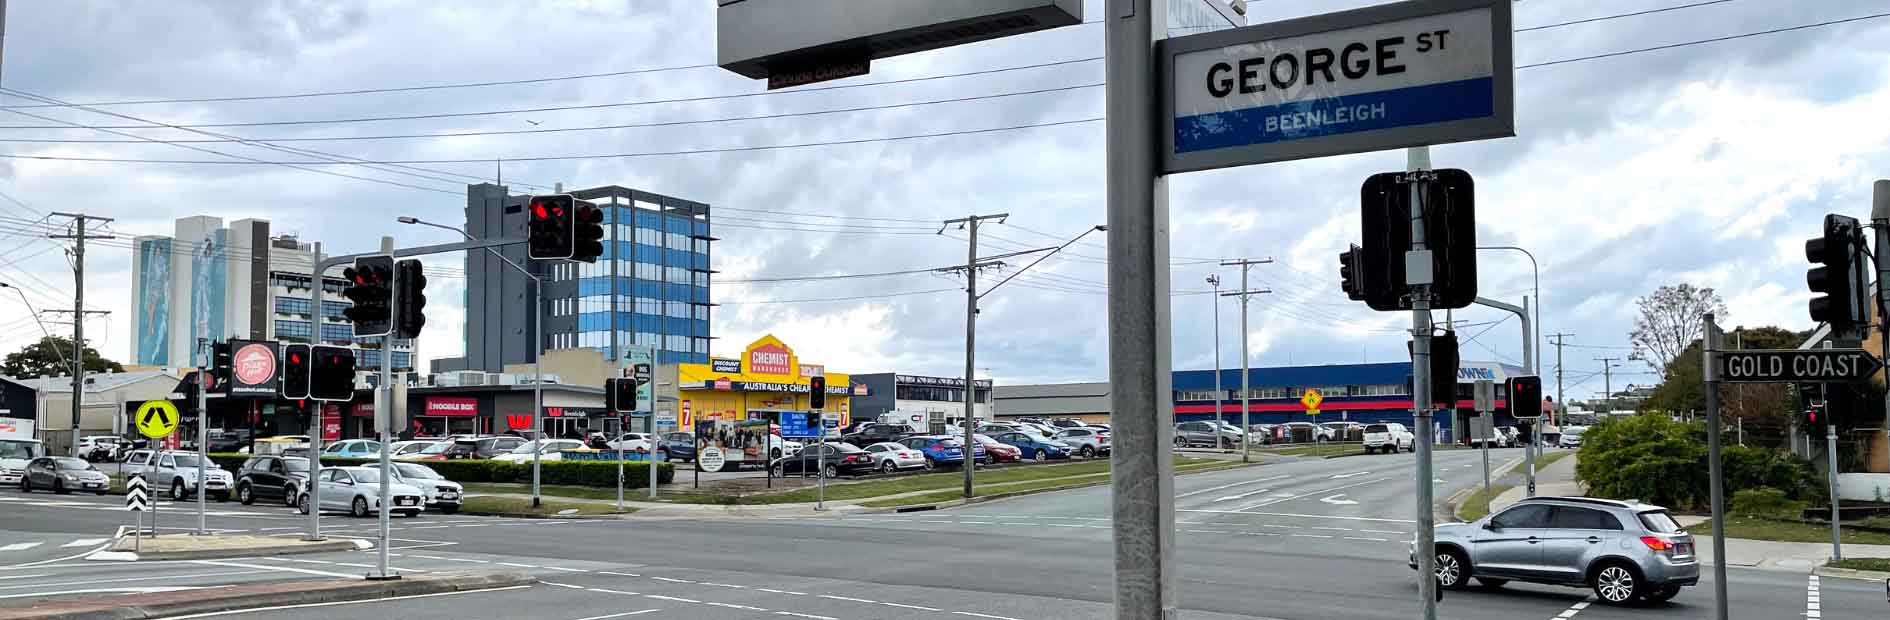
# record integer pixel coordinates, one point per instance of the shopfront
(718, 397)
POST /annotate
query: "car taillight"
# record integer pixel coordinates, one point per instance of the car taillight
(1657, 544)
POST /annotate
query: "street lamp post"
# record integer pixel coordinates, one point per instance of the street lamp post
(1214, 280)
(538, 343)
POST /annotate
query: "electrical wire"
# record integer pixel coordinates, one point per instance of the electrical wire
(1619, 16)
(1703, 41)
(756, 302)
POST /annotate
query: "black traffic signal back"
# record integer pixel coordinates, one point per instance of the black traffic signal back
(1525, 397)
(552, 231)
(1448, 205)
(370, 284)
(1349, 274)
(331, 376)
(1840, 274)
(1443, 369)
(295, 371)
(411, 304)
(589, 233)
(817, 392)
(220, 365)
(620, 394)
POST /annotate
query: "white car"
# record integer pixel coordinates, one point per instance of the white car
(547, 450)
(177, 471)
(441, 494)
(357, 490)
(635, 442)
(893, 457)
(1388, 437)
(1571, 437)
(353, 449)
(404, 448)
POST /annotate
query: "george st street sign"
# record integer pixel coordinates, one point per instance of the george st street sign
(1795, 365)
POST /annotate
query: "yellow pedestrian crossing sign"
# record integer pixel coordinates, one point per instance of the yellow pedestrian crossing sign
(1311, 400)
(156, 418)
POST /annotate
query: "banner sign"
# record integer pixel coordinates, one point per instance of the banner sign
(720, 365)
(451, 407)
(938, 381)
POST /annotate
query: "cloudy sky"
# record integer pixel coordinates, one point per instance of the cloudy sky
(1707, 164)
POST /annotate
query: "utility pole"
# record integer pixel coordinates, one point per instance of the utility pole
(1880, 220)
(1214, 280)
(1607, 379)
(1245, 392)
(78, 235)
(1559, 337)
(971, 335)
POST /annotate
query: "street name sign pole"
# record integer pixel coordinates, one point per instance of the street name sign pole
(1716, 473)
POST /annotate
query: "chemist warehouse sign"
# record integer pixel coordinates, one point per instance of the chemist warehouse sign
(1382, 77)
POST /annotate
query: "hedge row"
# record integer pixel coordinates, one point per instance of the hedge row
(579, 473)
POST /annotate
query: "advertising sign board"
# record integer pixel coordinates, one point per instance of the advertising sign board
(253, 368)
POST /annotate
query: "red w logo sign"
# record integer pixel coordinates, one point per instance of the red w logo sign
(518, 421)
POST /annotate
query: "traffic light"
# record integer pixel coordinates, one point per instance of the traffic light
(411, 304)
(553, 227)
(1814, 419)
(1525, 397)
(621, 394)
(370, 283)
(1349, 280)
(295, 371)
(220, 364)
(1443, 369)
(589, 233)
(816, 392)
(1448, 205)
(331, 376)
(1839, 274)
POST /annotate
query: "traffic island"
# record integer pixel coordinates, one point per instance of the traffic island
(261, 595)
(218, 546)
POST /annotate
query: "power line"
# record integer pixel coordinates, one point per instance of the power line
(1619, 16)
(823, 299)
(1704, 41)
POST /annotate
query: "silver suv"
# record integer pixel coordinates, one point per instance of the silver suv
(1627, 552)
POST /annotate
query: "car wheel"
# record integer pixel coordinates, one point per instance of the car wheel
(288, 496)
(1369, 450)
(1453, 570)
(1181, 442)
(929, 465)
(177, 489)
(245, 495)
(1663, 594)
(780, 471)
(831, 471)
(889, 467)
(1616, 583)
(1088, 452)
(98, 493)
(301, 504)
(1492, 583)
(1041, 456)
(774, 454)
(59, 487)
(26, 484)
(360, 510)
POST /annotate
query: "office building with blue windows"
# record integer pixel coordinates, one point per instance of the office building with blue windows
(650, 288)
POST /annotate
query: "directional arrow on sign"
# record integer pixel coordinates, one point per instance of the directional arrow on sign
(1795, 365)
(1337, 500)
(137, 497)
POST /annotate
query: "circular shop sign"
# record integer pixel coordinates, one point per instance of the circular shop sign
(710, 459)
(255, 364)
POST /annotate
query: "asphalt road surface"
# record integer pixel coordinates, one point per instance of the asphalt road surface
(1301, 539)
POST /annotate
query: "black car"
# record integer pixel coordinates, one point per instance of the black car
(484, 447)
(233, 440)
(876, 433)
(679, 446)
(840, 460)
(271, 477)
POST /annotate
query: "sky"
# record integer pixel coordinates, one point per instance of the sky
(1707, 164)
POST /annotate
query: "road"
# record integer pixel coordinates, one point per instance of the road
(1299, 539)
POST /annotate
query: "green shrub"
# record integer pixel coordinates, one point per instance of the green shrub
(579, 473)
(1657, 460)
(1765, 502)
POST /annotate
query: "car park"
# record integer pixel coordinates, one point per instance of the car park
(1626, 552)
(834, 459)
(270, 477)
(357, 490)
(999, 452)
(679, 446)
(1344, 431)
(1088, 442)
(102, 448)
(1304, 432)
(177, 471)
(353, 449)
(1034, 447)
(63, 475)
(942, 450)
(484, 447)
(877, 433)
(1388, 437)
(441, 494)
(547, 450)
(893, 457)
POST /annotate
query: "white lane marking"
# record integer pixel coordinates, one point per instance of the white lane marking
(517, 565)
(148, 590)
(1308, 494)
(568, 570)
(1226, 486)
(1350, 475)
(1063, 525)
(962, 522)
(846, 598)
(672, 598)
(334, 603)
(1240, 495)
(304, 571)
(610, 591)
(1576, 608)
(627, 613)
(734, 606)
(24, 576)
(1295, 514)
(1208, 531)
(808, 616)
(1365, 538)
(1338, 499)
(605, 572)
(905, 606)
(789, 592)
(20, 546)
(561, 585)
(672, 580)
(979, 615)
(724, 585)
(470, 560)
(1384, 531)
(83, 542)
(127, 579)
(1311, 536)
(1814, 608)
(1335, 529)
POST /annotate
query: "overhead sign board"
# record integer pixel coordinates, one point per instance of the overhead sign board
(794, 42)
(1396, 75)
(1796, 365)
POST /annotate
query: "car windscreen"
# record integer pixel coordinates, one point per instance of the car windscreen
(296, 465)
(422, 472)
(1659, 521)
(1377, 428)
(71, 463)
(187, 460)
(1573, 432)
(365, 475)
(437, 448)
(21, 449)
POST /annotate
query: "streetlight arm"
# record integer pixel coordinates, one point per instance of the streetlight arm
(1040, 259)
(469, 237)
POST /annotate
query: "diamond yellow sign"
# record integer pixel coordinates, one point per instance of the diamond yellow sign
(1311, 400)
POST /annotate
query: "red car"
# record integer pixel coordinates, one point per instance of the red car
(999, 452)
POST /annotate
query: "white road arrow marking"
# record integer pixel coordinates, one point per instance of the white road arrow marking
(1222, 499)
(1336, 499)
(1356, 473)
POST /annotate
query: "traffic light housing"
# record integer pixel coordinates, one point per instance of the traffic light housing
(552, 232)
(411, 304)
(588, 232)
(1814, 418)
(1349, 280)
(331, 375)
(221, 362)
(1448, 205)
(296, 363)
(1443, 370)
(621, 394)
(1525, 396)
(1839, 274)
(817, 392)
(370, 284)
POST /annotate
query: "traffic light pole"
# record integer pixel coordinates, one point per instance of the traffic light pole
(1880, 220)
(316, 423)
(203, 428)
(1419, 160)
(1831, 466)
(384, 409)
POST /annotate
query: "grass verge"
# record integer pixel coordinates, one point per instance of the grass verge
(1478, 504)
(515, 506)
(1549, 458)
(1038, 485)
(1876, 564)
(1760, 528)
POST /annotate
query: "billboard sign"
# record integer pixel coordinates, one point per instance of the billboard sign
(738, 441)
(1412, 73)
(253, 366)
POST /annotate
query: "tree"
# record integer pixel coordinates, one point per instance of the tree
(52, 356)
(1765, 409)
(1670, 320)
